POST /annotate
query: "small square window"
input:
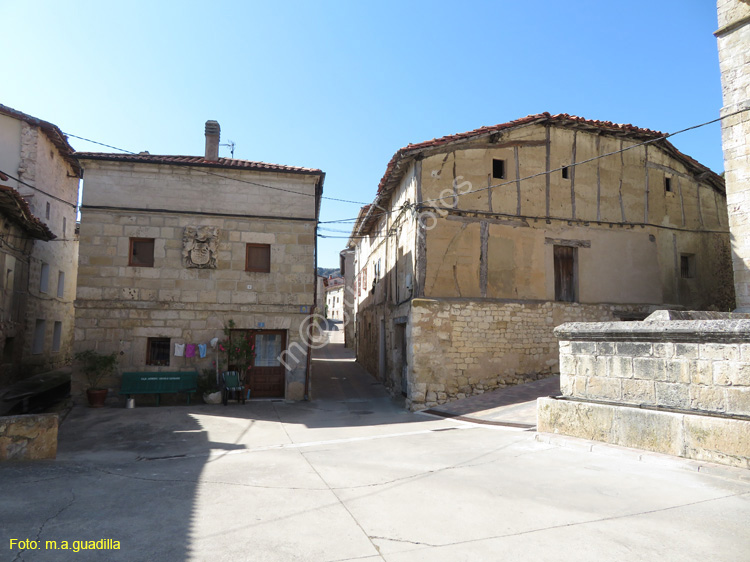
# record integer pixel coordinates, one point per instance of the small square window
(44, 278)
(498, 169)
(141, 252)
(565, 172)
(61, 284)
(668, 185)
(157, 352)
(687, 266)
(258, 258)
(56, 336)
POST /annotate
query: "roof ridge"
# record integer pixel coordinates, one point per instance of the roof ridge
(185, 159)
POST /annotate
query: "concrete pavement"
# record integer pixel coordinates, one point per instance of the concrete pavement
(352, 476)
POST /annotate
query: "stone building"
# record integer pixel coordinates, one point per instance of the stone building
(173, 248)
(335, 298)
(346, 266)
(478, 244)
(39, 250)
(733, 37)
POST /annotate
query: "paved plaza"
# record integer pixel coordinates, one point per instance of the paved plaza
(353, 476)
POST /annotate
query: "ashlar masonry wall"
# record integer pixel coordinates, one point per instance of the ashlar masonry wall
(120, 306)
(462, 347)
(669, 384)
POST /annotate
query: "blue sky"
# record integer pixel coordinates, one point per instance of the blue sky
(341, 86)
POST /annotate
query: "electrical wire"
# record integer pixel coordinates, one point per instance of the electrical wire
(39, 190)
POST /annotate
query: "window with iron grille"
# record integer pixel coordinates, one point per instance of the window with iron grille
(157, 352)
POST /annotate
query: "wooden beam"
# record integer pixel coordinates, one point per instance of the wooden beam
(571, 243)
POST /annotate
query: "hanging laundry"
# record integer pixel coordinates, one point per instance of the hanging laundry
(179, 349)
(202, 350)
(190, 350)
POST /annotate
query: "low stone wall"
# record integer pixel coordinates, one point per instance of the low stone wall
(462, 347)
(29, 437)
(669, 384)
(703, 368)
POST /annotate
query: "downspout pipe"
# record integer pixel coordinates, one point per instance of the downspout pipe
(311, 318)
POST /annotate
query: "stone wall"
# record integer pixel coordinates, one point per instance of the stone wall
(677, 383)
(120, 306)
(733, 37)
(31, 437)
(461, 347)
(706, 377)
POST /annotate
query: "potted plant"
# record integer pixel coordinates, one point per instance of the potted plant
(208, 388)
(239, 347)
(95, 367)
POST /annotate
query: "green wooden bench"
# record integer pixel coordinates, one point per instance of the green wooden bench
(159, 383)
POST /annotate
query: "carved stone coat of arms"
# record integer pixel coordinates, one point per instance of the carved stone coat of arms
(200, 246)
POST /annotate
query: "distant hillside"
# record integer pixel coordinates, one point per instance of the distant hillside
(326, 272)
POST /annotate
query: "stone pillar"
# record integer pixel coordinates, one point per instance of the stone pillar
(733, 38)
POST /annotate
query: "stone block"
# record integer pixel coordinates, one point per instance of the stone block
(651, 431)
(578, 419)
(604, 388)
(649, 369)
(673, 395)
(28, 437)
(677, 370)
(621, 367)
(580, 347)
(707, 399)
(719, 352)
(719, 440)
(737, 401)
(568, 365)
(701, 373)
(567, 385)
(664, 350)
(588, 366)
(636, 391)
(605, 348)
(634, 349)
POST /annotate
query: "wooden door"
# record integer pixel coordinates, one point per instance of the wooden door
(267, 376)
(565, 273)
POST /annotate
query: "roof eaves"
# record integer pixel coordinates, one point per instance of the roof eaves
(17, 209)
(53, 132)
(197, 161)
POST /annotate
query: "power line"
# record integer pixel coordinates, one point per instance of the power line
(55, 197)
(211, 173)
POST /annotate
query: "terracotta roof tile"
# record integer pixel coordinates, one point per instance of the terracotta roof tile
(145, 158)
(14, 206)
(561, 119)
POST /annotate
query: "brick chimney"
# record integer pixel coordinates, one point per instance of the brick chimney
(213, 134)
